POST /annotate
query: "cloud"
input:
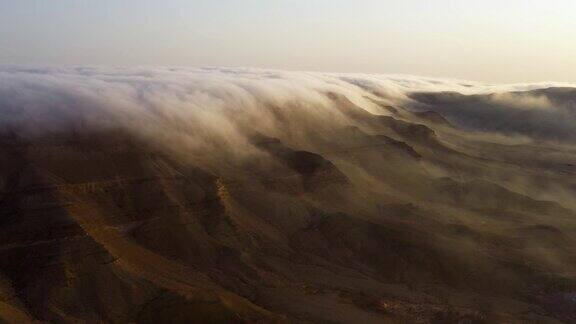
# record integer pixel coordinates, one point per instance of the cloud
(538, 114)
(214, 108)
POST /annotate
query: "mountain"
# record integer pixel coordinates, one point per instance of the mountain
(242, 196)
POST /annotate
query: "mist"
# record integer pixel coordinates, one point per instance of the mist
(245, 183)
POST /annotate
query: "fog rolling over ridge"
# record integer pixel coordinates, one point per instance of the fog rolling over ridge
(245, 195)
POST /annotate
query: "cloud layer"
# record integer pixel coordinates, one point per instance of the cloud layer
(212, 106)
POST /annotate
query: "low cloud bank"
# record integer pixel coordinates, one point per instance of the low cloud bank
(211, 107)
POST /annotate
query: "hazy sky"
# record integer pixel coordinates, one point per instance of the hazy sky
(485, 40)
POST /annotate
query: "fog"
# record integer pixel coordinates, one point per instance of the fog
(218, 101)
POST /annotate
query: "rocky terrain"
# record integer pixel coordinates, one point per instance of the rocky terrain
(213, 197)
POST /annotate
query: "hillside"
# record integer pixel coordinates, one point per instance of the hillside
(271, 197)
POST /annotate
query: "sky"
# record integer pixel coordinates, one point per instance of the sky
(497, 41)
